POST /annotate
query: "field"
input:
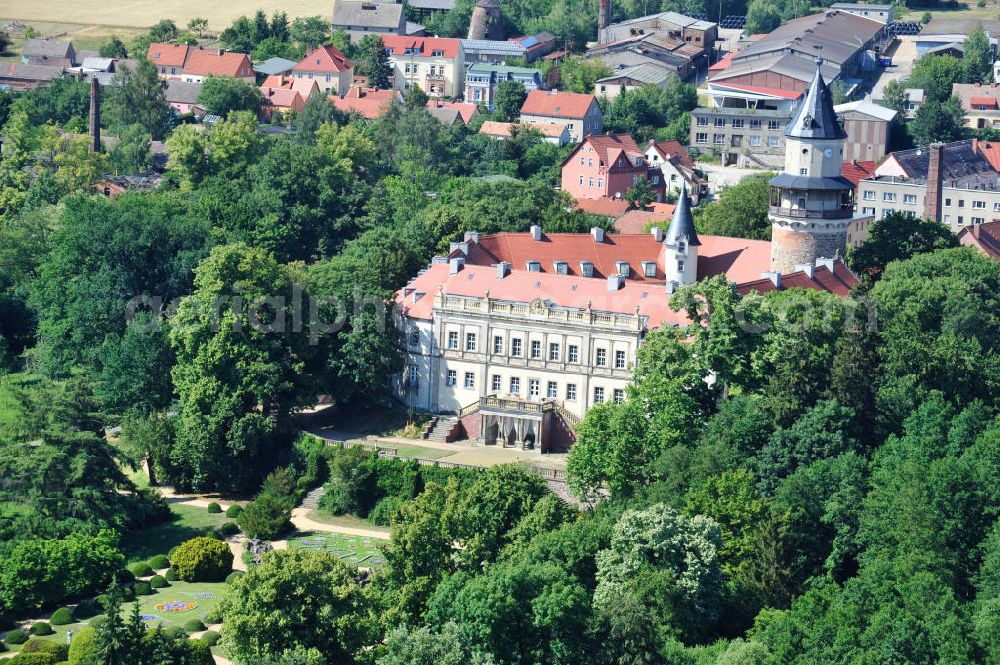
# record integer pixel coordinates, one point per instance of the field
(354, 550)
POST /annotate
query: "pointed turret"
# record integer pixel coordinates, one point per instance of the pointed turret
(815, 117)
(682, 223)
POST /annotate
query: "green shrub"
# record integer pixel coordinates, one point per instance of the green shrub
(234, 511)
(32, 659)
(124, 576)
(385, 509)
(3, 647)
(229, 529)
(58, 650)
(159, 582)
(203, 560)
(82, 650)
(175, 633)
(16, 636)
(173, 550)
(98, 622)
(214, 615)
(84, 610)
(198, 653)
(101, 601)
(268, 516)
(140, 569)
(143, 588)
(210, 637)
(61, 617)
(214, 508)
(171, 575)
(159, 562)
(128, 594)
(41, 628)
(233, 576)
(193, 626)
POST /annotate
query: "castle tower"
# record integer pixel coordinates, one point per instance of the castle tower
(812, 204)
(680, 245)
(486, 22)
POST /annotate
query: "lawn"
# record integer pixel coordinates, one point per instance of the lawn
(189, 522)
(354, 550)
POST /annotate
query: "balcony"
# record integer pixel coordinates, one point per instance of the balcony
(844, 212)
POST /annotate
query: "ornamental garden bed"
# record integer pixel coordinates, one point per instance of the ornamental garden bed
(355, 550)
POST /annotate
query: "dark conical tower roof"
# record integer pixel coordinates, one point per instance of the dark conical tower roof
(815, 117)
(682, 223)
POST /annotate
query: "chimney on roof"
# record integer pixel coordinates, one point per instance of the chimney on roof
(598, 233)
(95, 115)
(462, 246)
(932, 204)
(775, 278)
(502, 269)
(808, 268)
(455, 266)
(472, 236)
(671, 286)
(220, 51)
(829, 264)
(536, 232)
(657, 234)
(615, 282)
(310, 49)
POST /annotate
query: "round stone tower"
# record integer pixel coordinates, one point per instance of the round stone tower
(812, 204)
(486, 22)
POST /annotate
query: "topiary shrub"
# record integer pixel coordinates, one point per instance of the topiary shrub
(124, 576)
(172, 551)
(213, 616)
(171, 575)
(228, 529)
(234, 511)
(143, 588)
(41, 628)
(159, 562)
(233, 576)
(58, 650)
(32, 659)
(84, 610)
(210, 637)
(214, 508)
(101, 601)
(175, 633)
(140, 569)
(128, 594)
(203, 560)
(193, 626)
(16, 636)
(61, 617)
(82, 650)
(384, 510)
(158, 582)
(268, 516)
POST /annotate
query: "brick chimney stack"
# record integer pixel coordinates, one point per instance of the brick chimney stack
(95, 115)
(932, 204)
(603, 19)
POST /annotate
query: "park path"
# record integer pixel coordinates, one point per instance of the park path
(301, 522)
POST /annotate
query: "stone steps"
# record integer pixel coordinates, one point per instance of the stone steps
(441, 429)
(312, 498)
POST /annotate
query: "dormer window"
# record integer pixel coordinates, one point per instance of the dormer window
(534, 266)
(561, 267)
(586, 268)
(649, 268)
(622, 268)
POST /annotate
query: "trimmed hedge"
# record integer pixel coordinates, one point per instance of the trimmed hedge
(214, 508)
(193, 626)
(56, 649)
(140, 569)
(32, 659)
(159, 582)
(203, 560)
(234, 511)
(85, 609)
(16, 636)
(61, 617)
(175, 633)
(171, 575)
(213, 616)
(159, 562)
(233, 576)
(228, 529)
(41, 628)
(210, 637)
(143, 588)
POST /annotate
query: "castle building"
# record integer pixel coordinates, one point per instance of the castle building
(812, 203)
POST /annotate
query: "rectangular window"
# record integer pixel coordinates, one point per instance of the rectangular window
(619, 360)
(515, 385)
(702, 121)
(912, 198)
(868, 211)
(979, 205)
(495, 383)
(600, 183)
(996, 207)
(754, 123)
(619, 395)
(581, 181)
(737, 123)
(773, 125)
(602, 358)
(570, 392)
(470, 380)
(452, 340)
(773, 141)
(961, 203)
(414, 338)
(413, 373)
(573, 353)
(701, 137)
(977, 220)
(803, 171)
(533, 387)
(947, 202)
(552, 390)
(755, 140)
(720, 122)
(470, 341)
(718, 139)
(553, 351)
(598, 395)
(868, 195)
(515, 347)
(452, 377)
(889, 196)
(497, 344)
(536, 349)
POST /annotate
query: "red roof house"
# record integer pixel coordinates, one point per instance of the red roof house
(328, 67)
(194, 64)
(369, 102)
(984, 237)
(580, 113)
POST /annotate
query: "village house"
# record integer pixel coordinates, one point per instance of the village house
(360, 18)
(304, 87)
(48, 52)
(328, 67)
(280, 100)
(20, 76)
(555, 134)
(481, 81)
(370, 103)
(195, 64)
(984, 237)
(981, 104)
(676, 168)
(606, 166)
(580, 114)
(465, 112)
(183, 97)
(435, 65)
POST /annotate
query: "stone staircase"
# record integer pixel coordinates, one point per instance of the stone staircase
(311, 501)
(441, 428)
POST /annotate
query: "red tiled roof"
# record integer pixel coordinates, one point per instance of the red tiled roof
(606, 207)
(205, 62)
(838, 282)
(369, 102)
(608, 147)
(989, 102)
(723, 62)
(857, 171)
(634, 221)
(326, 59)
(984, 237)
(303, 86)
(494, 128)
(423, 47)
(467, 111)
(281, 97)
(167, 55)
(669, 149)
(989, 150)
(557, 104)
(775, 92)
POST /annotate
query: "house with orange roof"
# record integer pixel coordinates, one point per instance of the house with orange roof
(370, 103)
(303, 86)
(676, 167)
(465, 111)
(555, 134)
(195, 64)
(984, 237)
(606, 166)
(580, 114)
(328, 67)
(434, 64)
(280, 100)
